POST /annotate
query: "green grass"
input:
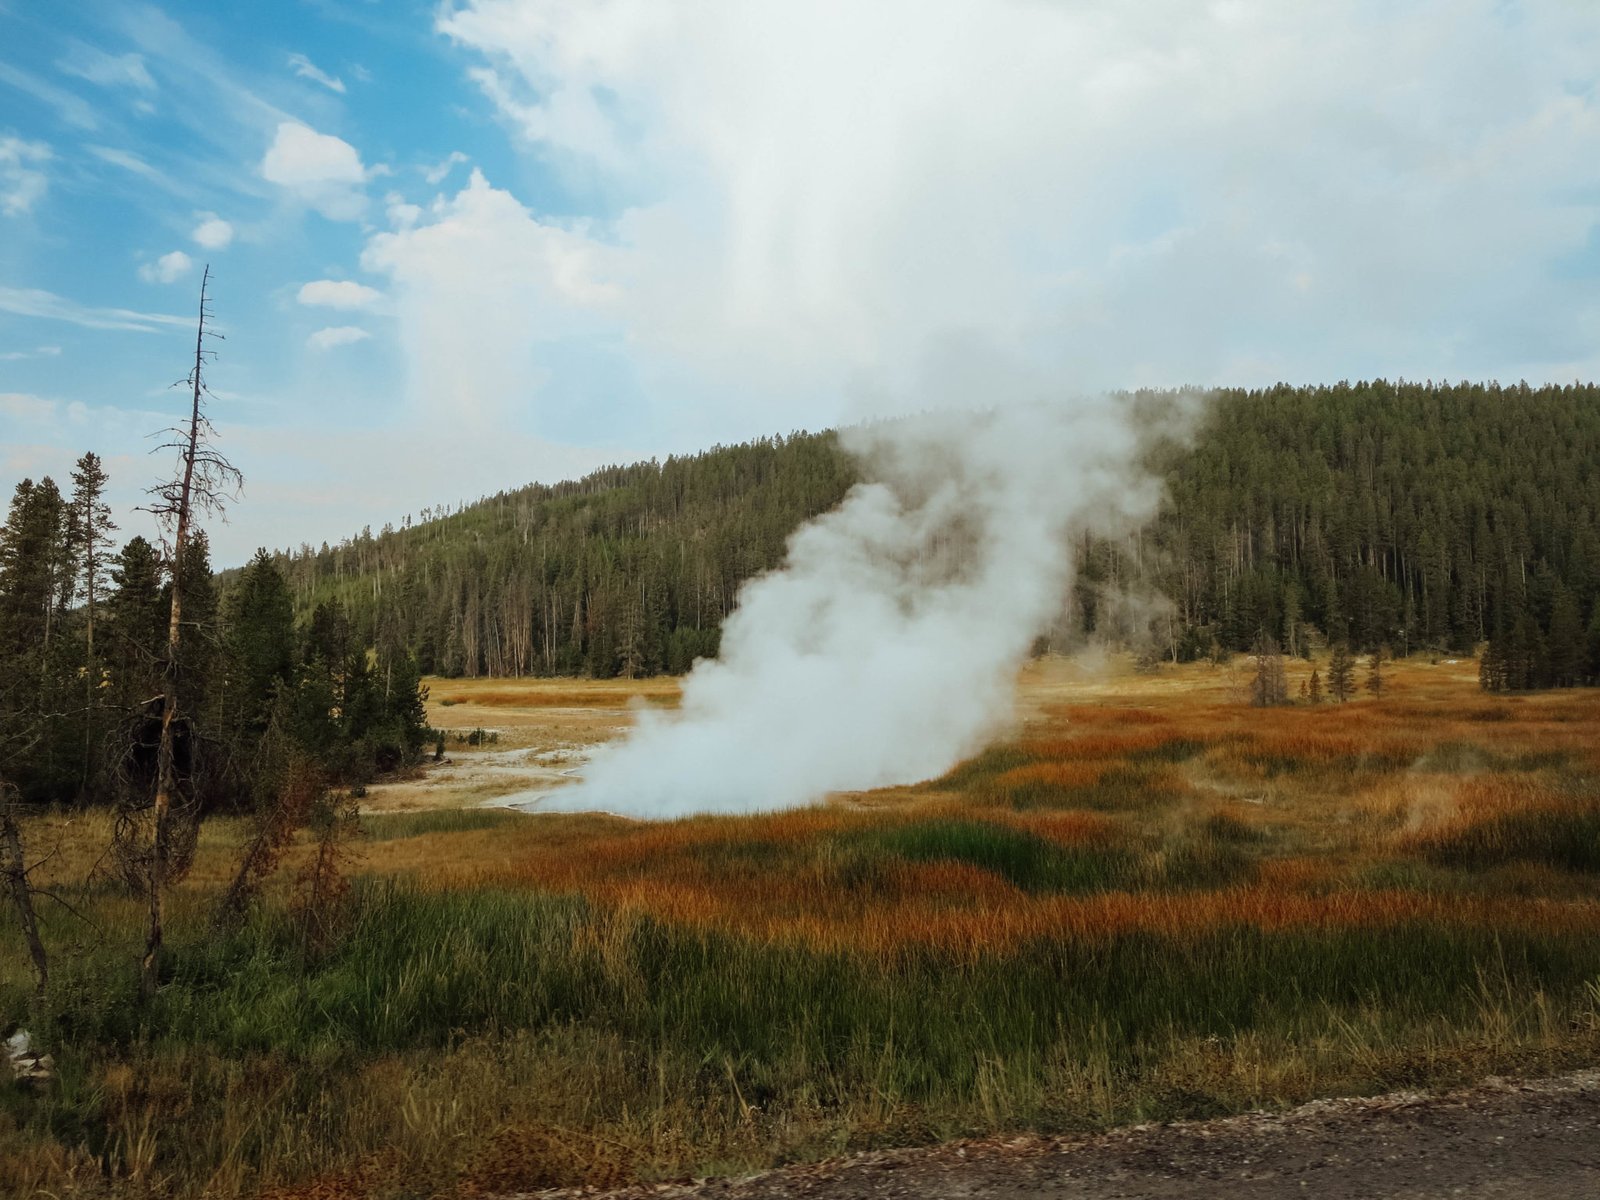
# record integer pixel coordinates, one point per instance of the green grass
(420, 969)
(384, 827)
(1566, 838)
(1020, 858)
(619, 1027)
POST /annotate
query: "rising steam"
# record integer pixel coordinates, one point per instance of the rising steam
(884, 649)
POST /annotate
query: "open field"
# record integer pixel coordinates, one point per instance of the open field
(1146, 901)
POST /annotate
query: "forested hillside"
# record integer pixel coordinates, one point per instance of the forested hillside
(1407, 515)
(627, 571)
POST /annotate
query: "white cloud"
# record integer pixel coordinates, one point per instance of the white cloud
(337, 335)
(36, 352)
(36, 302)
(22, 183)
(338, 293)
(435, 174)
(108, 70)
(838, 196)
(307, 69)
(401, 214)
(212, 232)
(169, 268)
(478, 289)
(322, 171)
(25, 408)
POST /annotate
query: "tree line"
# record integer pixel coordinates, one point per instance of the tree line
(137, 681)
(1405, 516)
(84, 637)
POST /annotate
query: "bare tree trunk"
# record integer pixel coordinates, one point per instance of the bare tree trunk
(166, 758)
(15, 869)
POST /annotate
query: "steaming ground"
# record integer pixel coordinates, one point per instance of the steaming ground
(885, 648)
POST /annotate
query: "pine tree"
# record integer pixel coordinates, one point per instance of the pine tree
(1375, 672)
(35, 586)
(1492, 666)
(1594, 643)
(135, 625)
(260, 623)
(1567, 645)
(92, 526)
(1314, 689)
(1341, 672)
(35, 591)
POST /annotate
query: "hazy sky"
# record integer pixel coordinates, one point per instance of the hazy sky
(460, 247)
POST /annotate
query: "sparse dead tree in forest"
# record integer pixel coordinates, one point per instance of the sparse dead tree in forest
(296, 790)
(14, 866)
(323, 885)
(1269, 685)
(150, 833)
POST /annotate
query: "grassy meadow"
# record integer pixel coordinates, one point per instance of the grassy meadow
(1147, 901)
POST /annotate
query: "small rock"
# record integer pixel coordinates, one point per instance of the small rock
(28, 1066)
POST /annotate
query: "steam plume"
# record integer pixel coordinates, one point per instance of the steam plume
(884, 650)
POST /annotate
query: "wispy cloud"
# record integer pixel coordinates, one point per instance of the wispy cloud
(128, 161)
(36, 302)
(207, 89)
(436, 174)
(307, 69)
(22, 183)
(107, 70)
(70, 107)
(36, 352)
(337, 335)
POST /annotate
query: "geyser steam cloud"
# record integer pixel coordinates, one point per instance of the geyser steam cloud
(884, 650)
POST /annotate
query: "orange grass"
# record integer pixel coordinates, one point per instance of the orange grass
(1311, 798)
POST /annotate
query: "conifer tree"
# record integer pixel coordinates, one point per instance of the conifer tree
(1492, 666)
(35, 591)
(1341, 672)
(1375, 672)
(1314, 689)
(260, 622)
(1594, 643)
(1567, 644)
(135, 624)
(92, 526)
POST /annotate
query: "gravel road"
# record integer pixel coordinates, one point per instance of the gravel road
(1529, 1140)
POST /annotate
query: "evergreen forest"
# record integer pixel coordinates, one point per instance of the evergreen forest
(1407, 517)
(1375, 517)
(86, 656)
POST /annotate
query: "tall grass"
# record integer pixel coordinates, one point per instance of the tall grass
(1127, 913)
(648, 1048)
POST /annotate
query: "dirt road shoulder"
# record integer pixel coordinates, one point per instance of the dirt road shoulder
(1537, 1140)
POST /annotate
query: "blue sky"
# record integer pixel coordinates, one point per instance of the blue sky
(460, 247)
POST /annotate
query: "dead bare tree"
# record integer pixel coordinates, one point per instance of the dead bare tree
(202, 482)
(15, 869)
